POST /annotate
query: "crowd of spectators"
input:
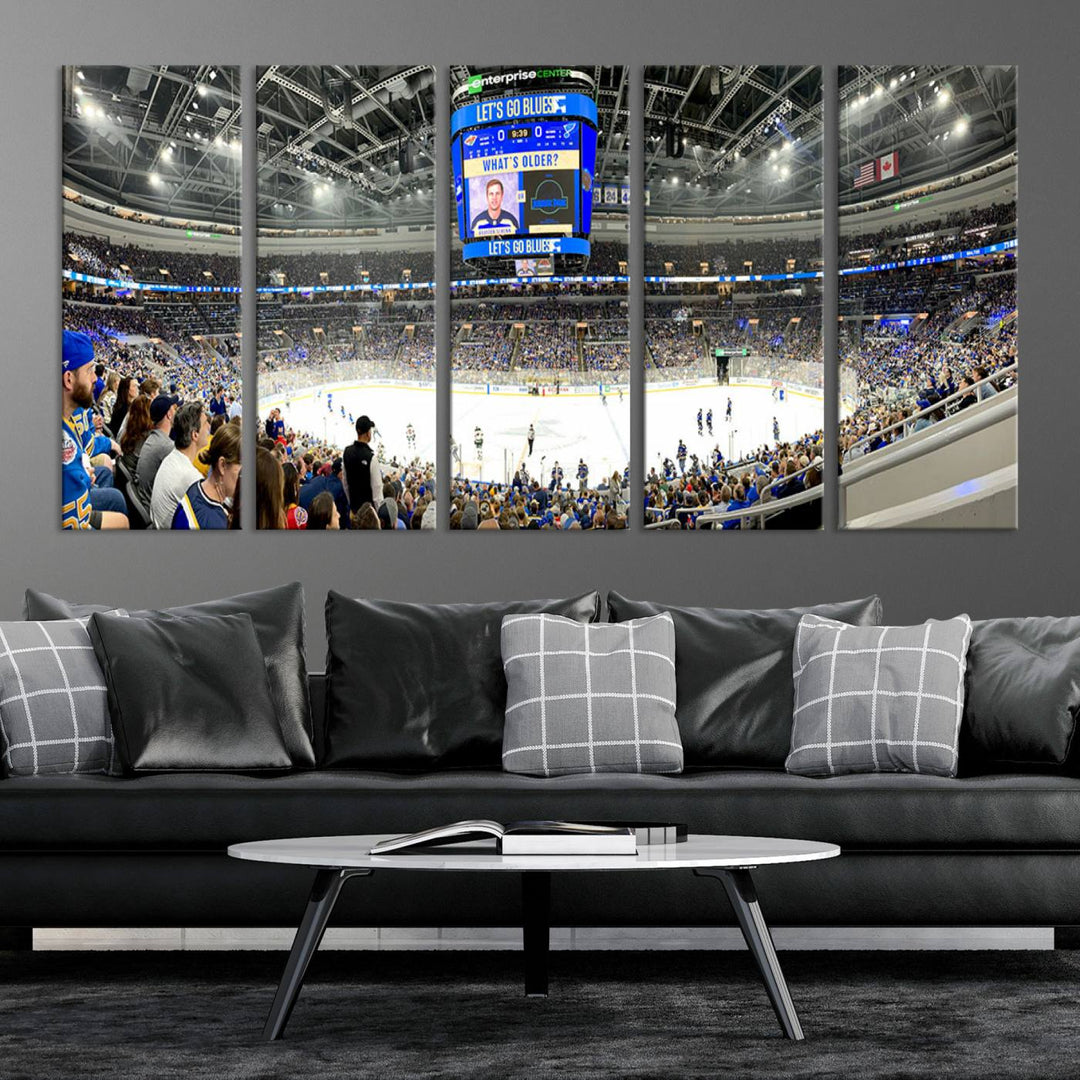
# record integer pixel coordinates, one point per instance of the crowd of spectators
(301, 484)
(956, 230)
(350, 268)
(89, 254)
(564, 500)
(904, 370)
(684, 488)
(135, 450)
(133, 343)
(782, 255)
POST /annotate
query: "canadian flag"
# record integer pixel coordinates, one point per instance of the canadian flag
(888, 167)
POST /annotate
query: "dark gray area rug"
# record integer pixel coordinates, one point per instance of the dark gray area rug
(97, 1016)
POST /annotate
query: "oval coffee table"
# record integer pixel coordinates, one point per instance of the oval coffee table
(729, 859)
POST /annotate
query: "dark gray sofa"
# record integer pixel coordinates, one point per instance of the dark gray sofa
(1001, 849)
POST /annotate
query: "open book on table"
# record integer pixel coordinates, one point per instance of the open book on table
(523, 838)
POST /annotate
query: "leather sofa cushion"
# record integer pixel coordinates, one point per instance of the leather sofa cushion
(188, 694)
(278, 617)
(1022, 694)
(421, 686)
(173, 813)
(734, 688)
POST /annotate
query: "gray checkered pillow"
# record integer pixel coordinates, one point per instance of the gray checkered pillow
(878, 698)
(54, 716)
(589, 697)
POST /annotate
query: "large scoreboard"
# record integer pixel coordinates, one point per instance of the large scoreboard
(524, 169)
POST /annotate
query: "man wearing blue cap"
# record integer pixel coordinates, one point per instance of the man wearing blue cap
(78, 509)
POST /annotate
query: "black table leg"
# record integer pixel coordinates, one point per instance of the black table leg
(536, 926)
(324, 894)
(740, 890)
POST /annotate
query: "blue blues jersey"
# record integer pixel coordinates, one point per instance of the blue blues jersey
(196, 511)
(90, 441)
(75, 507)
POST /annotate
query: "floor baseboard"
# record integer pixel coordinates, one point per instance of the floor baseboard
(884, 938)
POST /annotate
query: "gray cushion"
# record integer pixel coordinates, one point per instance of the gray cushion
(54, 716)
(877, 698)
(413, 687)
(733, 670)
(587, 698)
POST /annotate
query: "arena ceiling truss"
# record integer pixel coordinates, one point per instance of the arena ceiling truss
(352, 146)
(944, 120)
(160, 141)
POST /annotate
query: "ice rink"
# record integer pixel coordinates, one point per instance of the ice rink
(671, 414)
(392, 408)
(568, 426)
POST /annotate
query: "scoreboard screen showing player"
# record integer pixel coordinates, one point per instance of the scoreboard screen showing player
(523, 175)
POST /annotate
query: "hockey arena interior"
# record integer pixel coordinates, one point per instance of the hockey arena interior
(735, 377)
(150, 290)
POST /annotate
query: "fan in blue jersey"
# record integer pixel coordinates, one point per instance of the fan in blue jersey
(206, 503)
(77, 382)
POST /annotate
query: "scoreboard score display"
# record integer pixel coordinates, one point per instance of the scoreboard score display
(523, 175)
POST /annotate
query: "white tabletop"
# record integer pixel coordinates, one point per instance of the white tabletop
(354, 852)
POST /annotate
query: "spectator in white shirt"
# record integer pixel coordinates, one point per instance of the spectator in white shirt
(190, 433)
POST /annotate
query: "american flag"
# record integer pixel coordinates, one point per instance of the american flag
(867, 174)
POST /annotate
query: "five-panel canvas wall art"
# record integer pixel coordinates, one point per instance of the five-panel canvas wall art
(775, 372)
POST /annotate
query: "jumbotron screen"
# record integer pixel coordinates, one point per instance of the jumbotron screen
(523, 175)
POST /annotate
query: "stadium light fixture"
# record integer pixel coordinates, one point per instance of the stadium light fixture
(155, 179)
(962, 126)
(81, 74)
(944, 95)
(892, 83)
(212, 75)
(785, 172)
(201, 90)
(879, 90)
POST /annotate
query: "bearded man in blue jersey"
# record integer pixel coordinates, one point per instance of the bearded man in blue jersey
(77, 384)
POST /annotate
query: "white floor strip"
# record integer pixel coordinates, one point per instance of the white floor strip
(562, 938)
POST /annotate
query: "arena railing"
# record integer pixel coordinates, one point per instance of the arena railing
(760, 511)
(986, 414)
(942, 404)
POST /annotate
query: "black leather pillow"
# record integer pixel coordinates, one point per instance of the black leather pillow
(188, 694)
(278, 616)
(734, 688)
(1022, 694)
(415, 687)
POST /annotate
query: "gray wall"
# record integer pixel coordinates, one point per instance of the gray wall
(1032, 571)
